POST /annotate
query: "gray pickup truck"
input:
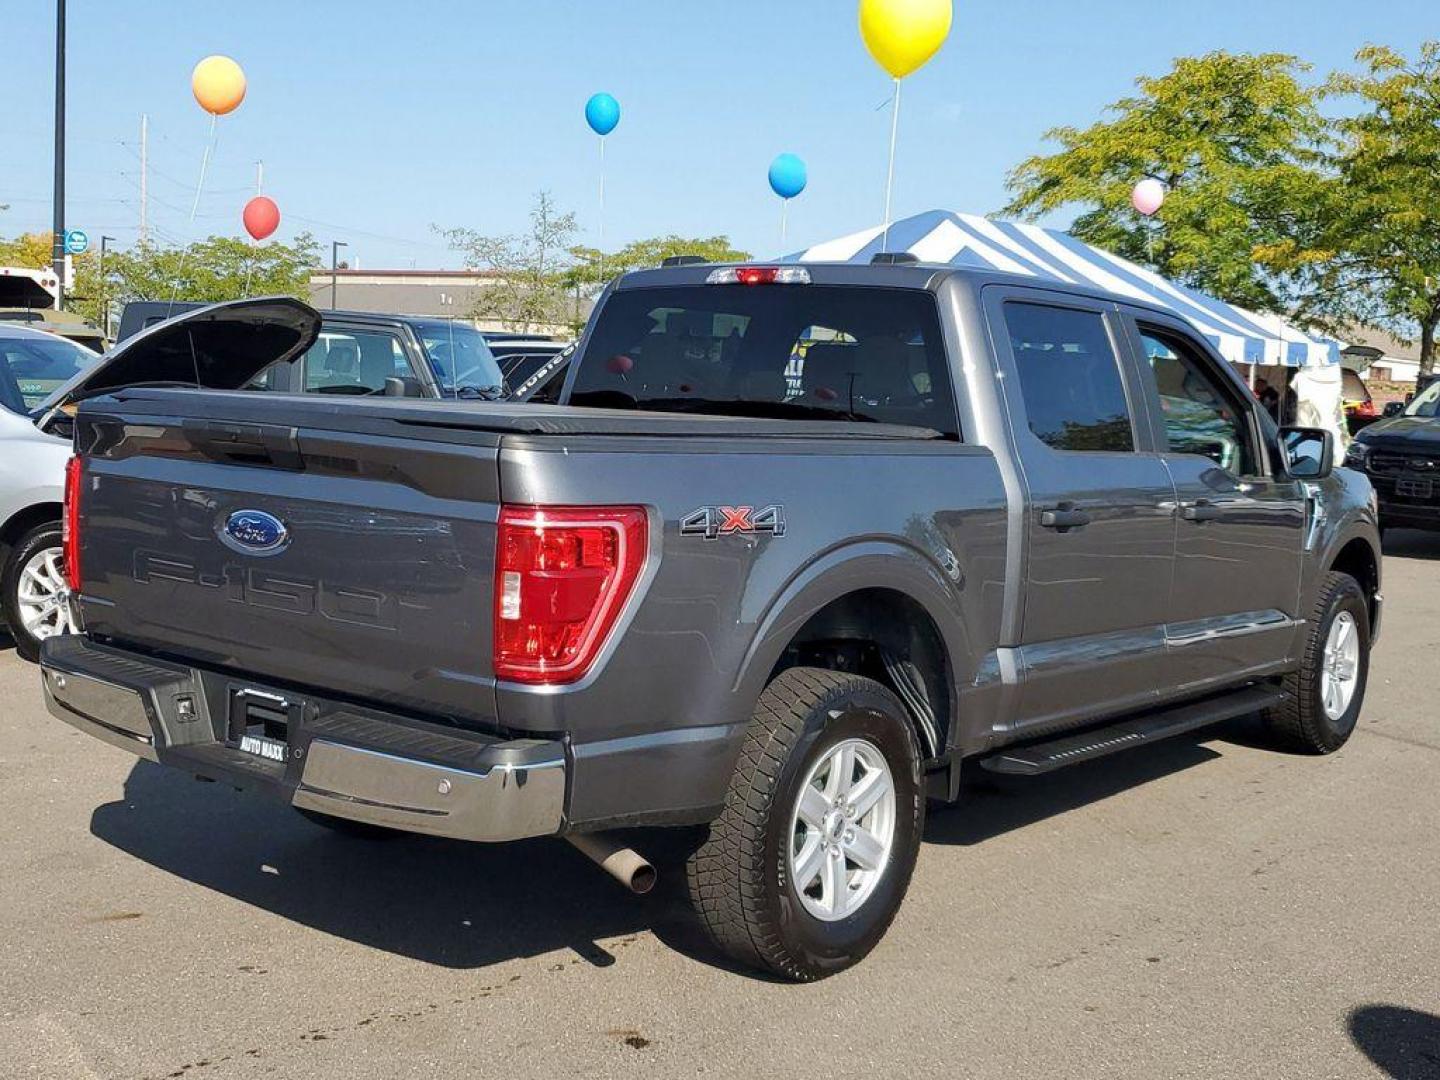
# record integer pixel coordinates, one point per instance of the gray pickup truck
(796, 543)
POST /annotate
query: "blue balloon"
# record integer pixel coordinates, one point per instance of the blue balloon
(602, 113)
(787, 176)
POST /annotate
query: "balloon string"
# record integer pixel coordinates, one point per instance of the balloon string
(784, 212)
(190, 223)
(890, 172)
(602, 208)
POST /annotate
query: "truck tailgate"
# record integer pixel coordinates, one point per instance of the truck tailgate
(358, 561)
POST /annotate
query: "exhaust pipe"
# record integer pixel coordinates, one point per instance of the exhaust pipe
(624, 864)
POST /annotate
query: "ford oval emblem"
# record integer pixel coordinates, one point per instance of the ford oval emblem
(255, 532)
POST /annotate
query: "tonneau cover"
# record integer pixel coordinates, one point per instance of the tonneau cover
(381, 414)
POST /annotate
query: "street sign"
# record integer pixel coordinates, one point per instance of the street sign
(76, 242)
(69, 276)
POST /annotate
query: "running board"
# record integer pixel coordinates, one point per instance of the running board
(1042, 757)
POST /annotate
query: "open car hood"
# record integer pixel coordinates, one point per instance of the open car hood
(218, 347)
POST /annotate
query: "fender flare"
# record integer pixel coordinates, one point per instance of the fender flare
(865, 563)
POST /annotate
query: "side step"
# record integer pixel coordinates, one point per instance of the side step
(1033, 759)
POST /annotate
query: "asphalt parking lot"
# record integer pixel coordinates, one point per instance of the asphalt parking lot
(1207, 908)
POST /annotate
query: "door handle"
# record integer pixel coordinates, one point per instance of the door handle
(1200, 510)
(1063, 518)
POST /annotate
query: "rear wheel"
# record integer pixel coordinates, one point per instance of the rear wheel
(1325, 695)
(33, 595)
(806, 867)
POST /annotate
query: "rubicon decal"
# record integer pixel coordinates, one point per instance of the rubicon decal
(716, 521)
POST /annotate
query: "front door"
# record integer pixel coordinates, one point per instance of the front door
(1099, 534)
(1239, 527)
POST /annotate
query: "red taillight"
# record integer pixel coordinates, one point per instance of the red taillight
(70, 522)
(562, 576)
(757, 275)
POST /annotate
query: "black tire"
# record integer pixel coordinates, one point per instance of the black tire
(1300, 722)
(42, 536)
(740, 881)
(358, 830)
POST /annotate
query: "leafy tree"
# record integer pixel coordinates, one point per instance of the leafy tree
(592, 267)
(30, 250)
(1380, 257)
(1238, 142)
(527, 288)
(214, 269)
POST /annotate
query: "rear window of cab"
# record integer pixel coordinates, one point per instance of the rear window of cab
(804, 352)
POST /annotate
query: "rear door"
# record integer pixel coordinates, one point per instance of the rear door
(1099, 537)
(1239, 527)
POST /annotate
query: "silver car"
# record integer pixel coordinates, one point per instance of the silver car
(33, 365)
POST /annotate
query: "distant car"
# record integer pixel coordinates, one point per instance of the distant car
(1401, 456)
(366, 353)
(522, 357)
(1360, 408)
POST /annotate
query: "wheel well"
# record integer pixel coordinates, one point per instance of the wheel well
(25, 520)
(1357, 558)
(886, 636)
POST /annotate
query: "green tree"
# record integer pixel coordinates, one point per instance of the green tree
(593, 267)
(30, 250)
(526, 287)
(214, 269)
(1381, 237)
(1237, 140)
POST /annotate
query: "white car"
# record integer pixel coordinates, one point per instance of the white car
(220, 347)
(33, 365)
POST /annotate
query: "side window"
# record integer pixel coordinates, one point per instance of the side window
(1200, 416)
(354, 362)
(1069, 377)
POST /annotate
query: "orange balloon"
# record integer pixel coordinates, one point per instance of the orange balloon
(219, 84)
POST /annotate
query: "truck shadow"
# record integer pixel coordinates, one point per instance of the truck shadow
(1412, 544)
(442, 902)
(1404, 1044)
(992, 804)
(468, 906)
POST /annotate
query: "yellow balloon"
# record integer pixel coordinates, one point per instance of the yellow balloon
(218, 84)
(903, 34)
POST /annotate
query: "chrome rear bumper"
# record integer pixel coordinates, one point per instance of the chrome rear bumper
(504, 790)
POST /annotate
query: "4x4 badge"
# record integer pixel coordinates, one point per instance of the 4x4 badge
(714, 521)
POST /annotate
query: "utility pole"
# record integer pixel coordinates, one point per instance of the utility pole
(335, 246)
(144, 175)
(105, 241)
(57, 251)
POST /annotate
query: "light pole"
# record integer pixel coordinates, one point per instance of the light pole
(105, 241)
(57, 252)
(335, 246)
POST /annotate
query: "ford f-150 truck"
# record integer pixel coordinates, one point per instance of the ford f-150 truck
(796, 543)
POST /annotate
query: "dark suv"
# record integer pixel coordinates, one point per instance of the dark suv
(1402, 458)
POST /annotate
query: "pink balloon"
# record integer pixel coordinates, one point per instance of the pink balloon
(1148, 196)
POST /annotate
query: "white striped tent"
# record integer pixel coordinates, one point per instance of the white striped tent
(951, 239)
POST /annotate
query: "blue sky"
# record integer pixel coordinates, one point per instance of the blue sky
(377, 119)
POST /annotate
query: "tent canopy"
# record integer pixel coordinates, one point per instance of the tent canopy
(947, 238)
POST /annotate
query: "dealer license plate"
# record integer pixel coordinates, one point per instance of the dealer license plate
(260, 746)
(1415, 489)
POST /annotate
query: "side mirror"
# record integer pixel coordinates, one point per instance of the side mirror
(1309, 452)
(398, 387)
(1392, 408)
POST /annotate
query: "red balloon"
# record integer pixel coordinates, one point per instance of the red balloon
(261, 217)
